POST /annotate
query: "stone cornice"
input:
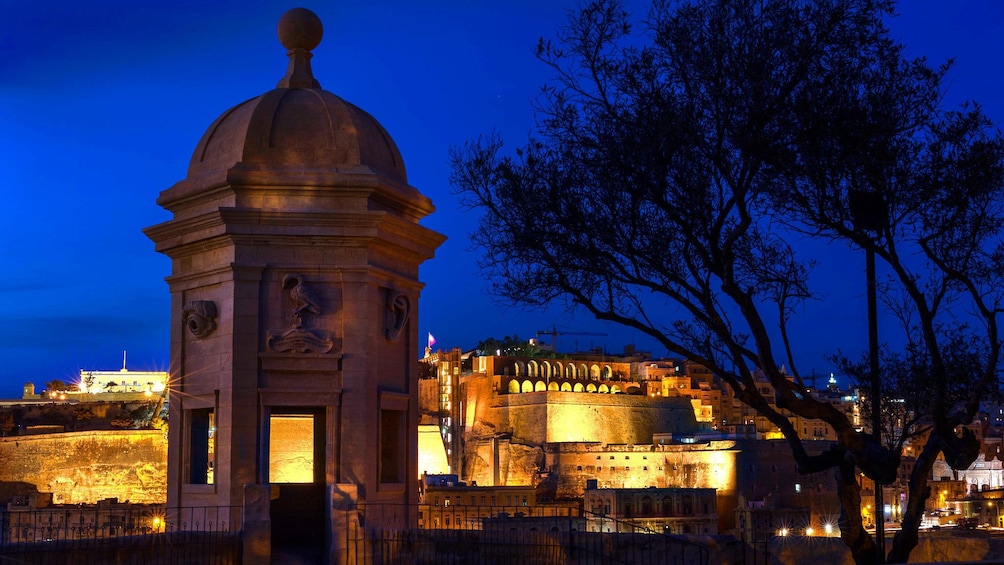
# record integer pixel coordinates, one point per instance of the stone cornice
(347, 228)
(345, 183)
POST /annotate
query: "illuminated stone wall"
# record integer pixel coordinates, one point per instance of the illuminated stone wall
(85, 467)
(757, 469)
(504, 434)
(553, 417)
(515, 464)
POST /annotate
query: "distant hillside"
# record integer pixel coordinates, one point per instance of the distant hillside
(31, 419)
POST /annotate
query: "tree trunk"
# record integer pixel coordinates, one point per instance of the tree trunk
(852, 531)
(906, 539)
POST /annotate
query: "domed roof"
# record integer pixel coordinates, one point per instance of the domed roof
(297, 124)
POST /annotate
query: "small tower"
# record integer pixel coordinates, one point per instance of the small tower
(295, 248)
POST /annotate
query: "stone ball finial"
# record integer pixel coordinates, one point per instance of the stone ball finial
(299, 28)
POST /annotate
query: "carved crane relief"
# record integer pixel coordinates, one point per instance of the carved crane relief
(298, 337)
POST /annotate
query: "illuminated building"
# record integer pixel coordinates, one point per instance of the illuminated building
(445, 502)
(664, 510)
(123, 380)
(757, 521)
(558, 424)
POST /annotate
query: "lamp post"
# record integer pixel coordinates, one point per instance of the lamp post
(871, 213)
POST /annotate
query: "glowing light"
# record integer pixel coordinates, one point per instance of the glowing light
(783, 532)
(828, 528)
(291, 448)
(810, 531)
(157, 523)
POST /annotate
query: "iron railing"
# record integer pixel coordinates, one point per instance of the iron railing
(122, 534)
(492, 535)
(377, 534)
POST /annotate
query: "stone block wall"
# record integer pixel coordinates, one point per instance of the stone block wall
(86, 467)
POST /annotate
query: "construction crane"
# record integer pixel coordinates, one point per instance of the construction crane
(554, 333)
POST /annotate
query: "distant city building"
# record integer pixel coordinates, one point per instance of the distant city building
(656, 510)
(123, 380)
(32, 518)
(446, 502)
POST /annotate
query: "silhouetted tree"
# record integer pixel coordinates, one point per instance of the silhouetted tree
(510, 345)
(681, 166)
(55, 386)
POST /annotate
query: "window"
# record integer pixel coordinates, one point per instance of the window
(392, 449)
(798, 487)
(291, 448)
(687, 505)
(202, 446)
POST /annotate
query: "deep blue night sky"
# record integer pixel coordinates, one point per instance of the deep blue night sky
(102, 103)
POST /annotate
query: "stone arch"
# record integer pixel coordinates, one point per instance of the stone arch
(569, 371)
(520, 369)
(646, 506)
(603, 388)
(553, 385)
(513, 386)
(565, 387)
(590, 387)
(666, 506)
(531, 369)
(607, 373)
(583, 372)
(594, 372)
(633, 389)
(527, 386)
(546, 370)
(539, 386)
(614, 389)
(577, 388)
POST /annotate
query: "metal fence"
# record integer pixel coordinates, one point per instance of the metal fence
(372, 534)
(494, 535)
(123, 534)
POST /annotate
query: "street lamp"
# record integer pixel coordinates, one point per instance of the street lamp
(870, 212)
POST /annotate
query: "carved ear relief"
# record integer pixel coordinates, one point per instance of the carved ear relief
(199, 317)
(396, 315)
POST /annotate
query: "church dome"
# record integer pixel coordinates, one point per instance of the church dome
(297, 125)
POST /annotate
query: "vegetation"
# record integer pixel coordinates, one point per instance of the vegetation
(16, 420)
(684, 169)
(513, 346)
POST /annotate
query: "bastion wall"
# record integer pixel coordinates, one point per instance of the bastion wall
(537, 418)
(85, 467)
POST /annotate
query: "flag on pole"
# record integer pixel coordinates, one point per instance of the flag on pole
(432, 340)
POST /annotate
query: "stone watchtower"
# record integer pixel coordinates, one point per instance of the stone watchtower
(295, 248)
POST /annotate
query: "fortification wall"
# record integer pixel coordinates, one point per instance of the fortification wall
(85, 467)
(537, 418)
